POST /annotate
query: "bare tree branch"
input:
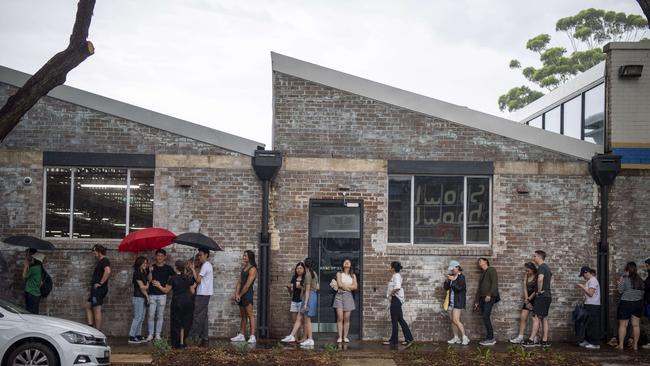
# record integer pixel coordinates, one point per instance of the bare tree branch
(645, 6)
(53, 73)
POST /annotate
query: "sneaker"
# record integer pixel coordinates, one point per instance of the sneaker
(157, 337)
(389, 343)
(545, 344)
(339, 340)
(252, 340)
(149, 338)
(454, 340)
(408, 344)
(307, 343)
(646, 346)
(592, 346)
(517, 340)
(238, 338)
(346, 340)
(141, 338)
(288, 339)
(488, 342)
(531, 343)
(465, 341)
(134, 340)
(583, 344)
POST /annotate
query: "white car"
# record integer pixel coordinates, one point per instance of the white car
(28, 339)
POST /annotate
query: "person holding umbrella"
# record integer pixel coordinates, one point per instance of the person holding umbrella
(204, 290)
(98, 287)
(33, 274)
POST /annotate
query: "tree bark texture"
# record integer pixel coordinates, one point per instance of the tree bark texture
(645, 6)
(53, 73)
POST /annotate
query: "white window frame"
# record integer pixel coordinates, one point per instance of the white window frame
(73, 170)
(412, 231)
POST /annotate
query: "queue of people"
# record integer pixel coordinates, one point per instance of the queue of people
(191, 284)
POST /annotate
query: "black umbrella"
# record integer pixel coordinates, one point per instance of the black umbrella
(29, 242)
(197, 240)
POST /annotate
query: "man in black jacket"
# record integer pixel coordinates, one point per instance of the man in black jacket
(486, 296)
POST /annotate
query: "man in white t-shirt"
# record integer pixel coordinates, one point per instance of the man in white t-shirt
(203, 292)
(591, 290)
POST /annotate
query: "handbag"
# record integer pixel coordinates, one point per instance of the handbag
(334, 285)
(445, 304)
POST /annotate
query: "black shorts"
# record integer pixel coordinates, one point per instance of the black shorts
(541, 306)
(627, 309)
(97, 296)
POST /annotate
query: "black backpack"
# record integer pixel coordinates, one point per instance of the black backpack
(46, 283)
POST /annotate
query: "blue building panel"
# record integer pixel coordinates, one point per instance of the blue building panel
(633, 155)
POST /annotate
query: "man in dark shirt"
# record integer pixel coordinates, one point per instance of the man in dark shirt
(486, 296)
(542, 301)
(160, 272)
(98, 287)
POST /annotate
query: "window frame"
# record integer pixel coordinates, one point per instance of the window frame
(73, 170)
(464, 242)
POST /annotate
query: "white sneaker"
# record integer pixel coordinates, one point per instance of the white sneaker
(646, 346)
(454, 340)
(238, 338)
(149, 338)
(517, 340)
(583, 344)
(157, 337)
(308, 342)
(346, 340)
(592, 346)
(288, 339)
(252, 340)
(339, 340)
(465, 340)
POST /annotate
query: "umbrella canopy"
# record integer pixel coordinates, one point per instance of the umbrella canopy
(29, 242)
(197, 240)
(146, 239)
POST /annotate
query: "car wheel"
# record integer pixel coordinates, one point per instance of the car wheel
(36, 354)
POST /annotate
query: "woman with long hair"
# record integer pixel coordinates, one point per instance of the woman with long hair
(630, 306)
(244, 297)
(455, 284)
(140, 298)
(395, 292)
(529, 288)
(308, 305)
(346, 282)
(295, 289)
(33, 276)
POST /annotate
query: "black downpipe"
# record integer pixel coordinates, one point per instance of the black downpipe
(603, 262)
(264, 283)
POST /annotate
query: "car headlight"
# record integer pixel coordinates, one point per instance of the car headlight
(81, 338)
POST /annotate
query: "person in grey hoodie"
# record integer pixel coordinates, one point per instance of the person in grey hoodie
(630, 307)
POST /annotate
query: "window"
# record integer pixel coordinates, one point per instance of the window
(536, 122)
(573, 118)
(432, 209)
(552, 120)
(594, 114)
(92, 202)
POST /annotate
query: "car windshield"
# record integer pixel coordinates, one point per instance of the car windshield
(6, 305)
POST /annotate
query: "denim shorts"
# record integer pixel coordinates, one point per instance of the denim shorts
(312, 306)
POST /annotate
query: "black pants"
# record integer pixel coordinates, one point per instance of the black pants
(396, 316)
(181, 314)
(592, 333)
(32, 303)
(486, 314)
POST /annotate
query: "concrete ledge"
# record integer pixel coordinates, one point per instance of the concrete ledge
(335, 165)
(204, 161)
(21, 157)
(535, 168)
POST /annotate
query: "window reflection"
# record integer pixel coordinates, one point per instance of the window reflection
(573, 118)
(552, 120)
(536, 122)
(438, 206)
(141, 197)
(478, 210)
(399, 210)
(99, 203)
(594, 114)
(57, 198)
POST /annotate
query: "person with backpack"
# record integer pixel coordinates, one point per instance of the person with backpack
(33, 276)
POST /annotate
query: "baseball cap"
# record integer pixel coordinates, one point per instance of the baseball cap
(585, 269)
(38, 256)
(453, 264)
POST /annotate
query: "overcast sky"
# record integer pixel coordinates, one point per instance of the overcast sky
(208, 61)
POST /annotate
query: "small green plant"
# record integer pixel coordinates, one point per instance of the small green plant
(415, 347)
(162, 347)
(243, 349)
(330, 348)
(484, 356)
(520, 355)
(452, 356)
(558, 358)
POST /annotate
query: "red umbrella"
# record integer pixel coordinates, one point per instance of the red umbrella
(146, 239)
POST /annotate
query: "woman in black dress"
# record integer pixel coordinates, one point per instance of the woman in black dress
(244, 297)
(184, 286)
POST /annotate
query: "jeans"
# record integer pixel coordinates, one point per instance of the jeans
(592, 334)
(199, 329)
(396, 317)
(138, 317)
(32, 303)
(157, 313)
(486, 313)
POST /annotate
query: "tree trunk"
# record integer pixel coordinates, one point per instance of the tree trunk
(645, 6)
(53, 73)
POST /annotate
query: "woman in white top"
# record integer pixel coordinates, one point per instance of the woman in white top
(343, 301)
(395, 293)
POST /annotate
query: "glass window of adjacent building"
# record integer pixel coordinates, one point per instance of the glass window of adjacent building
(552, 120)
(594, 114)
(573, 118)
(536, 122)
(432, 210)
(102, 203)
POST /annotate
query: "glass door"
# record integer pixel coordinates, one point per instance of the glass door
(335, 235)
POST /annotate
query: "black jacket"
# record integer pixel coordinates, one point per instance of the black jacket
(460, 291)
